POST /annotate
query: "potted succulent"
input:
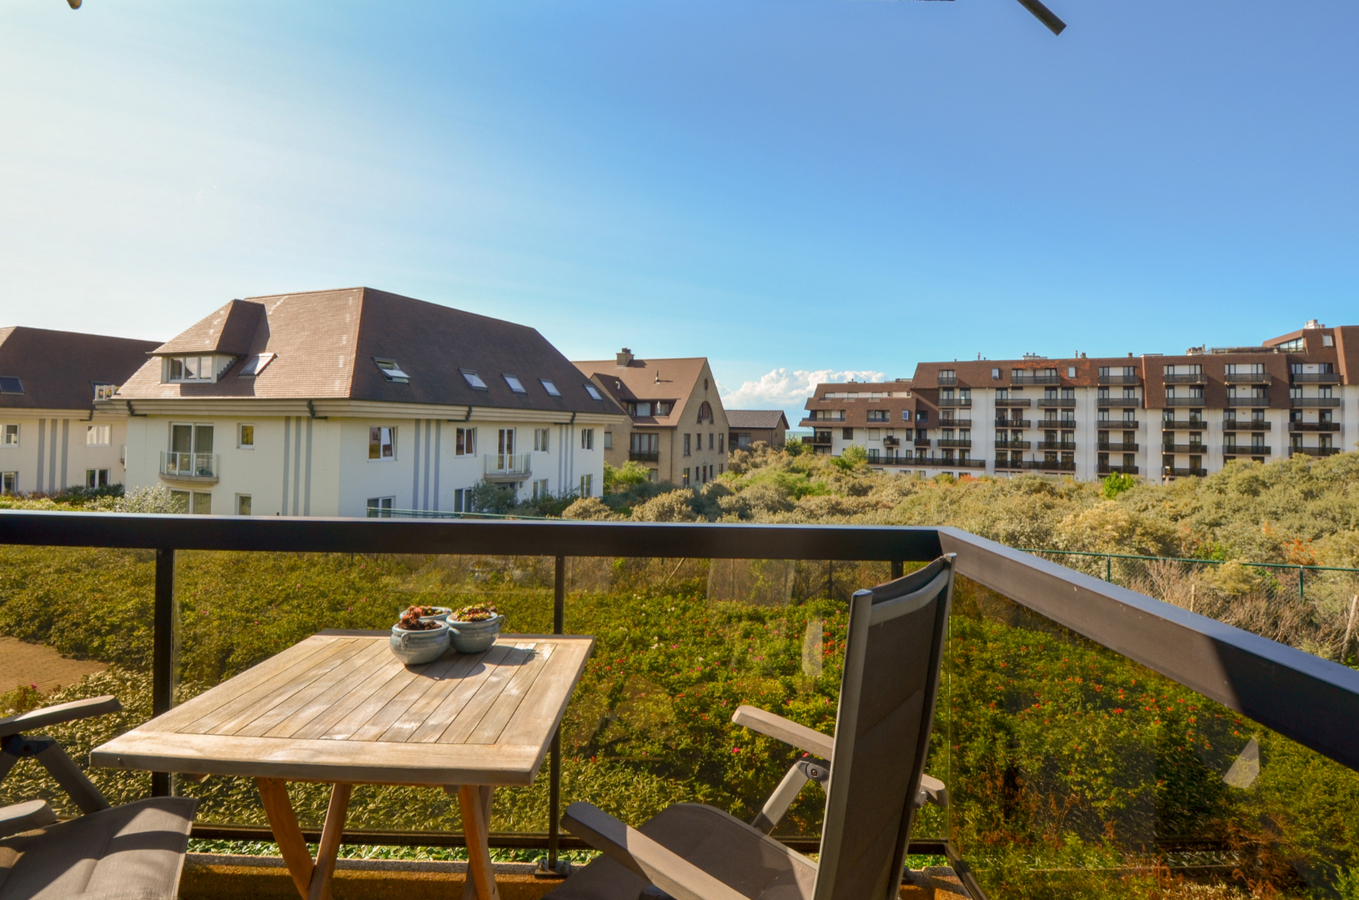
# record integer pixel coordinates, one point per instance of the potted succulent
(433, 613)
(418, 639)
(473, 629)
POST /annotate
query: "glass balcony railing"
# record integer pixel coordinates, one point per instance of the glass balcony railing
(1190, 760)
(200, 467)
(507, 466)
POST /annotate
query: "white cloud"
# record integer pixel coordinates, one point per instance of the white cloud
(785, 389)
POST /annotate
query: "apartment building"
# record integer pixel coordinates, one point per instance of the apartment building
(676, 426)
(1161, 417)
(51, 434)
(358, 402)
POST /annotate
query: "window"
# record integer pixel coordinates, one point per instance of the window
(9, 436)
(10, 385)
(877, 415)
(242, 504)
(905, 415)
(465, 442)
(505, 442)
(190, 451)
(608, 440)
(921, 416)
(587, 440)
(381, 442)
(189, 368)
(684, 478)
(462, 500)
(549, 387)
(540, 491)
(593, 392)
(710, 440)
(96, 478)
(105, 391)
(515, 384)
(202, 503)
(686, 445)
(587, 485)
(705, 410)
(245, 437)
(1070, 371)
(847, 433)
(720, 469)
(9, 482)
(255, 365)
(995, 373)
(179, 501)
(721, 442)
(1327, 340)
(390, 371)
(540, 440)
(874, 434)
(380, 507)
(473, 380)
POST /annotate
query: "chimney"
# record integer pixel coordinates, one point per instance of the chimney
(1313, 323)
(624, 357)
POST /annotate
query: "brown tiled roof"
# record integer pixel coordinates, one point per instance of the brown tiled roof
(648, 379)
(228, 330)
(756, 418)
(58, 369)
(856, 411)
(325, 343)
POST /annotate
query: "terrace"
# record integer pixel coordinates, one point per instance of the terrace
(1178, 748)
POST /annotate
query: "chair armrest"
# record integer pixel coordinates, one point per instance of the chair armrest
(55, 715)
(781, 729)
(671, 873)
(932, 790)
(25, 816)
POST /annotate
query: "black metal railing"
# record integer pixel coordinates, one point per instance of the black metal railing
(647, 455)
(1186, 378)
(1315, 402)
(1232, 424)
(1315, 377)
(1313, 426)
(1023, 378)
(1014, 423)
(1248, 378)
(1117, 470)
(1120, 379)
(1245, 450)
(1007, 444)
(1191, 424)
(1117, 447)
(1012, 401)
(1313, 451)
(1056, 402)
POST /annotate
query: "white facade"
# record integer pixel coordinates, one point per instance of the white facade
(286, 459)
(47, 450)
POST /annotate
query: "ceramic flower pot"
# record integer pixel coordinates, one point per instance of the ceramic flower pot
(474, 637)
(417, 647)
(440, 614)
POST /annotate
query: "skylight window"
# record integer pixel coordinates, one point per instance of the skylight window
(474, 380)
(390, 370)
(550, 387)
(255, 364)
(515, 384)
(592, 391)
(10, 385)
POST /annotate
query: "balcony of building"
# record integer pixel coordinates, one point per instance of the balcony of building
(925, 461)
(1118, 424)
(1106, 469)
(1171, 447)
(1036, 465)
(192, 468)
(1314, 426)
(1315, 402)
(1184, 401)
(820, 439)
(1313, 451)
(1257, 402)
(964, 443)
(1245, 450)
(1002, 422)
(649, 456)
(1117, 446)
(507, 467)
(1056, 402)
(1227, 751)
(1248, 378)
(1028, 378)
(1193, 423)
(1068, 446)
(920, 441)
(1186, 378)
(1012, 402)
(954, 402)
(1184, 472)
(1315, 378)
(1111, 378)
(954, 422)
(1231, 423)
(1007, 444)
(947, 380)
(1109, 402)
(891, 441)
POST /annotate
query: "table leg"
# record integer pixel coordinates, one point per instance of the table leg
(319, 888)
(475, 804)
(283, 822)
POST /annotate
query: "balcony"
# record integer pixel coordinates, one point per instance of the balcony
(1056, 445)
(507, 467)
(1177, 472)
(1024, 378)
(1184, 401)
(1006, 444)
(948, 380)
(1120, 379)
(954, 402)
(921, 442)
(1118, 425)
(1248, 378)
(1184, 448)
(1116, 470)
(1245, 425)
(1056, 402)
(1315, 378)
(1035, 465)
(1245, 450)
(1114, 447)
(820, 439)
(1194, 378)
(649, 456)
(891, 442)
(1012, 402)
(1314, 426)
(1190, 424)
(1315, 402)
(1108, 402)
(195, 468)
(953, 422)
(1014, 423)
(964, 443)
(928, 462)
(1313, 451)
(1248, 401)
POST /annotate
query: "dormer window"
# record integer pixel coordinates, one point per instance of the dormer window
(515, 384)
(189, 368)
(105, 391)
(473, 379)
(593, 392)
(255, 365)
(549, 387)
(388, 367)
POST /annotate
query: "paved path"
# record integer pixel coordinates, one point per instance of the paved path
(41, 666)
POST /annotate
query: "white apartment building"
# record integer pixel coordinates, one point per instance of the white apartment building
(358, 402)
(51, 435)
(1161, 417)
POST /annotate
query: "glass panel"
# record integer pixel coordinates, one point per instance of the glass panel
(181, 438)
(202, 438)
(202, 503)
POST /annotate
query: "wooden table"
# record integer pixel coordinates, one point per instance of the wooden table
(339, 708)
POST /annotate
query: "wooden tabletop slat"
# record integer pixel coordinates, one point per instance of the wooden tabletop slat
(341, 708)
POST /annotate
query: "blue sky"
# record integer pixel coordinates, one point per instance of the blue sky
(812, 187)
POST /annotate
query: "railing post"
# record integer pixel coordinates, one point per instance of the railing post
(554, 785)
(897, 569)
(1302, 593)
(165, 654)
(1109, 569)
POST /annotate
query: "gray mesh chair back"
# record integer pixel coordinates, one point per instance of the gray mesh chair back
(882, 732)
